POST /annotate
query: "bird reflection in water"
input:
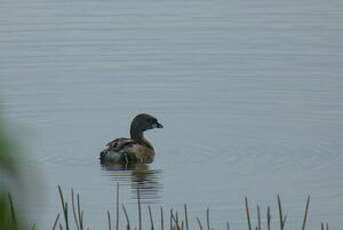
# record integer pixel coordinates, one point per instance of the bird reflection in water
(138, 176)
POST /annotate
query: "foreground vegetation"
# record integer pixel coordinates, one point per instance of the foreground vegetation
(72, 217)
(9, 176)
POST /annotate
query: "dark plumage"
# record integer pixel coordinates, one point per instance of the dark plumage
(136, 148)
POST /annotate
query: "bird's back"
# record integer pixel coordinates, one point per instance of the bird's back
(116, 150)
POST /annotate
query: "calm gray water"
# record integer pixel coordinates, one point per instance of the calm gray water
(250, 94)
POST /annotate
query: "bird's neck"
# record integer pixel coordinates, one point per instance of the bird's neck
(137, 135)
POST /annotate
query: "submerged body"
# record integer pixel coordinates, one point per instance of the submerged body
(126, 150)
(134, 149)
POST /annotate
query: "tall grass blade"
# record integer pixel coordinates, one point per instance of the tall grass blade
(280, 213)
(258, 218)
(162, 218)
(109, 220)
(56, 221)
(200, 225)
(171, 219)
(247, 212)
(14, 219)
(74, 211)
(176, 221)
(284, 221)
(79, 212)
(151, 220)
(186, 217)
(269, 218)
(178, 226)
(64, 207)
(127, 218)
(306, 211)
(208, 218)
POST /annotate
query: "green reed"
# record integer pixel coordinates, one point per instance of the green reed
(176, 221)
(73, 215)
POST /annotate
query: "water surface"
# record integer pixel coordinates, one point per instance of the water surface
(250, 94)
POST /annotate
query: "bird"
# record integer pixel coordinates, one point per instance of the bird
(136, 149)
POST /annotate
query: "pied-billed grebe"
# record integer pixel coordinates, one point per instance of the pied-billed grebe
(136, 148)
